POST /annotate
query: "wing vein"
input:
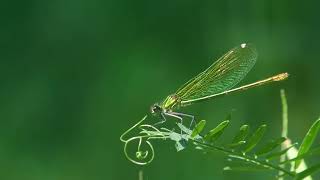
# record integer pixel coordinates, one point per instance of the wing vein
(222, 75)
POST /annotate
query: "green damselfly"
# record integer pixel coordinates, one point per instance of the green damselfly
(217, 80)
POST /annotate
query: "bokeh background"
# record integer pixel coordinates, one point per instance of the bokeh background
(74, 75)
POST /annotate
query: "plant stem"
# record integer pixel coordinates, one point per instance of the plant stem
(284, 130)
(284, 114)
(140, 174)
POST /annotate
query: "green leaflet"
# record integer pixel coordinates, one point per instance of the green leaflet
(308, 171)
(270, 146)
(198, 128)
(255, 138)
(242, 134)
(233, 145)
(184, 129)
(308, 140)
(181, 140)
(279, 153)
(245, 167)
(181, 145)
(315, 151)
(216, 132)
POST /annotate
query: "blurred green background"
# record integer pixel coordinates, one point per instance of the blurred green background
(76, 74)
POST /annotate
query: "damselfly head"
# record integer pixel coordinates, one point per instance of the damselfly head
(156, 110)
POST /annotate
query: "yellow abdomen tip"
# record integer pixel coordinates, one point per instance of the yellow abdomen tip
(280, 77)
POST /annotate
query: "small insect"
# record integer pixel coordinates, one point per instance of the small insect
(217, 80)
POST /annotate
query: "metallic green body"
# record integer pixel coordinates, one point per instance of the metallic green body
(171, 102)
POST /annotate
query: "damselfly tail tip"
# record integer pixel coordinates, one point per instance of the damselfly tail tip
(281, 76)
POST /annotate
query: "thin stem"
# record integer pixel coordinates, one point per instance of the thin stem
(284, 132)
(130, 129)
(140, 174)
(141, 156)
(284, 114)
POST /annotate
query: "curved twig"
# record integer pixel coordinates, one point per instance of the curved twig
(145, 135)
(140, 155)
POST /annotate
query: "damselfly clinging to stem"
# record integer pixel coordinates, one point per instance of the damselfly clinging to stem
(217, 80)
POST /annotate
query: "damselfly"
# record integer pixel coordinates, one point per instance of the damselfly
(215, 81)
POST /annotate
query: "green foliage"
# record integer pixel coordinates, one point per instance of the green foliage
(308, 171)
(279, 153)
(242, 134)
(237, 144)
(216, 132)
(310, 153)
(270, 146)
(240, 151)
(255, 138)
(198, 128)
(308, 141)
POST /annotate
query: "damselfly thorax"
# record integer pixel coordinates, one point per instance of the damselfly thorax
(166, 106)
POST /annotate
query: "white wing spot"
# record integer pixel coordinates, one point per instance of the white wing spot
(243, 45)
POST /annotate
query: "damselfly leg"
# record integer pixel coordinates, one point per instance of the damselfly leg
(163, 120)
(193, 120)
(175, 116)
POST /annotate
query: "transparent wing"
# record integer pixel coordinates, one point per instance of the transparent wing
(222, 75)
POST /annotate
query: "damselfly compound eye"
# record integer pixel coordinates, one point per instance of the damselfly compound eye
(155, 109)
